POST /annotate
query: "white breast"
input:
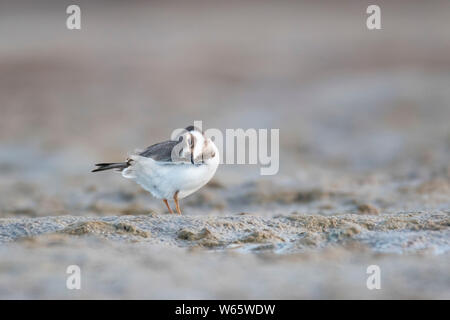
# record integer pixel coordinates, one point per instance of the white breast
(164, 179)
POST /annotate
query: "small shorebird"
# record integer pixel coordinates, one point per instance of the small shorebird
(171, 169)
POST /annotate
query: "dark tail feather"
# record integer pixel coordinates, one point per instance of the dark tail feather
(109, 166)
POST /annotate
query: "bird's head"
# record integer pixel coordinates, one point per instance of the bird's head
(196, 147)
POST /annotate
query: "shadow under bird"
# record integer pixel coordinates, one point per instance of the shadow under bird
(172, 169)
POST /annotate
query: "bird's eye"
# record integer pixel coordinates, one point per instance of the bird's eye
(213, 154)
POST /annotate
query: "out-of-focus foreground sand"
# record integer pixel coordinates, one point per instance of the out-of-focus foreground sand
(364, 149)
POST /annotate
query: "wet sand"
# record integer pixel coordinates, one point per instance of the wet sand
(297, 256)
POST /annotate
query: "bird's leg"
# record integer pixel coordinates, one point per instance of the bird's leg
(177, 205)
(167, 205)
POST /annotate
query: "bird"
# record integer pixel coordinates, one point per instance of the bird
(172, 169)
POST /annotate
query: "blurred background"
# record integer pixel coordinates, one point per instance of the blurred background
(364, 130)
(348, 101)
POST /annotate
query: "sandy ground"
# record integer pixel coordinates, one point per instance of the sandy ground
(238, 256)
(364, 149)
